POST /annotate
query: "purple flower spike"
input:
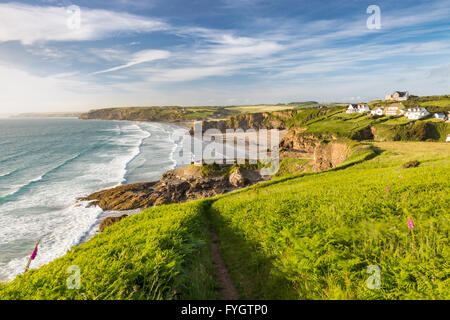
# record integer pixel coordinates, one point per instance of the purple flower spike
(410, 224)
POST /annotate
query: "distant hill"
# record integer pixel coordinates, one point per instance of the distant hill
(158, 114)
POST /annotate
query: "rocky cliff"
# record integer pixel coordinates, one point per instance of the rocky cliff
(330, 155)
(264, 120)
(325, 150)
(170, 114)
(175, 186)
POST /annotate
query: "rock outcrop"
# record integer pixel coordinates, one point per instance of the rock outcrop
(109, 222)
(126, 197)
(175, 186)
(257, 121)
(327, 151)
(330, 155)
(237, 178)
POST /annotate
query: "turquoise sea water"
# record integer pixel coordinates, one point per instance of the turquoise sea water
(45, 164)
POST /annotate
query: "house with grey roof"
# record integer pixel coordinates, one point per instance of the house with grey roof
(398, 96)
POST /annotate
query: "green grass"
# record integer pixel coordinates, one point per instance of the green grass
(290, 166)
(340, 123)
(358, 126)
(299, 236)
(432, 103)
(161, 253)
(437, 103)
(314, 236)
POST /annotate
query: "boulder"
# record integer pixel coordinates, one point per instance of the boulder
(237, 179)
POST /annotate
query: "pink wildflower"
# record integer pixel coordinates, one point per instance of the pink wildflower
(410, 224)
(34, 254)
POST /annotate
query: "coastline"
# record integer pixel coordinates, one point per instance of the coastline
(177, 185)
(106, 214)
(84, 222)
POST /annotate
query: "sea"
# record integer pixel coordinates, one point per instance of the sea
(46, 164)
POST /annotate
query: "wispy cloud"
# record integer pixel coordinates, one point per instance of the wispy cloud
(266, 58)
(29, 24)
(138, 58)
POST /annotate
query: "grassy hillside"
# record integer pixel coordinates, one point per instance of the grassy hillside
(432, 103)
(161, 253)
(313, 236)
(365, 127)
(304, 236)
(162, 114)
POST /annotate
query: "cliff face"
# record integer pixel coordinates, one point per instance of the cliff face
(325, 150)
(135, 114)
(257, 121)
(327, 156)
(265, 120)
(108, 114)
(296, 140)
(175, 186)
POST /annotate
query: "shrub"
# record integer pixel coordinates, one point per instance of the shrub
(410, 164)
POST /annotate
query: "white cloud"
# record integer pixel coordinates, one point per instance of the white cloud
(188, 74)
(29, 24)
(138, 58)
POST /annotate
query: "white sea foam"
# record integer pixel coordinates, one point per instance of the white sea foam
(177, 132)
(19, 188)
(63, 223)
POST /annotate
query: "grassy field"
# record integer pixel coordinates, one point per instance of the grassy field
(313, 237)
(161, 253)
(260, 108)
(336, 122)
(301, 236)
(438, 103)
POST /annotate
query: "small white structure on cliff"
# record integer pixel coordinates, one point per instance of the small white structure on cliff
(439, 115)
(416, 113)
(377, 111)
(398, 96)
(357, 108)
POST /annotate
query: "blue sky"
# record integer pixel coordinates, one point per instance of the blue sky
(173, 52)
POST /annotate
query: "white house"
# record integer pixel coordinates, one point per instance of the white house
(352, 108)
(416, 113)
(363, 108)
(360, 108)
(394, 110)
(398, 96)
(377, 111)
(448, 138)
(439, 115)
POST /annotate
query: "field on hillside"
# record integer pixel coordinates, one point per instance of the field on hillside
(432, 103)
(260, 108)
(359, 126)
(161, 253)
(313, 237)
(300, 236)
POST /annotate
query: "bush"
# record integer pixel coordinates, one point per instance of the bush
(410, 164)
